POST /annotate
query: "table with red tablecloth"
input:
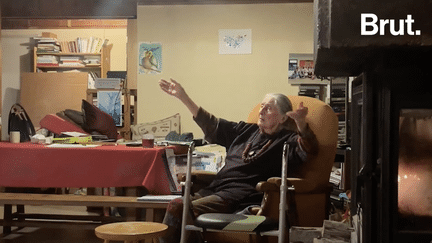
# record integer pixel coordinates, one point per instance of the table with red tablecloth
(36, 165)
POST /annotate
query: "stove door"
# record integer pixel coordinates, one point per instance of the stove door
(392, 155)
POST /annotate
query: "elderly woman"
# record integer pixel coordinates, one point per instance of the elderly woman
(254, 154)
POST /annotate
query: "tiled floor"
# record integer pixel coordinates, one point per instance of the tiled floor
(48, 235)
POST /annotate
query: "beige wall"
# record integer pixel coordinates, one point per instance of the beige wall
(226, 85)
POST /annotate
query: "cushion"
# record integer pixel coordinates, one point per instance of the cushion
(62, 115)
(159, 128)
(57, 125)
(96, 120)
(75, 116)
(235, 222)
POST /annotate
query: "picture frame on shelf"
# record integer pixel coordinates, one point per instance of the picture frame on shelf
(301, 67)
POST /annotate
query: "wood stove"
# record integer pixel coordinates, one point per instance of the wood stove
(391, 115)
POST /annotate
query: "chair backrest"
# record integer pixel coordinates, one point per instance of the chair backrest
(324, 123)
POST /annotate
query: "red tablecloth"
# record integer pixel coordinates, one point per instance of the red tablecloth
(35, 165)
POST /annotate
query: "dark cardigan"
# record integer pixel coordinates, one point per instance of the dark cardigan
(237, 180)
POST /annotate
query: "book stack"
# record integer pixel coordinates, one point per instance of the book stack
(92, 76)
(108, 83)
(47, 61)
(336, 177)
(71, 61)
(47, 45)
(310, 91)
(92, 61)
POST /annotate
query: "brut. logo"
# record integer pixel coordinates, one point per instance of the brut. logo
(371, 25)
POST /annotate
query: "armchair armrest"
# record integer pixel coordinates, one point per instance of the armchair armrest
(300, 185)
(198, 176)
(200, 179)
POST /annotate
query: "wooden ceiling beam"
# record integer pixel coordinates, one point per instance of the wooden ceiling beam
(198, 2)
(68, 9)
(63, 24)
(76, 14)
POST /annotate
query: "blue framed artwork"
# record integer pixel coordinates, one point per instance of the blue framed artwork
(110, 102)
(149, 58)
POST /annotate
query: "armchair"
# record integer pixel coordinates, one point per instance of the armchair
(313, 188)
(309, 201)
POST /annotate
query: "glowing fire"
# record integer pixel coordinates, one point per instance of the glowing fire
(415, 189)
(415, 163)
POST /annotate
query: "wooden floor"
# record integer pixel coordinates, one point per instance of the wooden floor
(36, 235)
(60, 235)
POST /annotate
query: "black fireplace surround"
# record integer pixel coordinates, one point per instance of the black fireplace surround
(391, 114)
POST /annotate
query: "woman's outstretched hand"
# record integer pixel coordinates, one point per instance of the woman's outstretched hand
(175, 89)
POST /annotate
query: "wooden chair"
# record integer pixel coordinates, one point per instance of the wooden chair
(312, 189)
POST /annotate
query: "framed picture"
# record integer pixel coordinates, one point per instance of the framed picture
(149, 58)
(110, 102)
(235, 41)
(301, 67)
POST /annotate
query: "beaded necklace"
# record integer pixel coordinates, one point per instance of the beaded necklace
(250, 157)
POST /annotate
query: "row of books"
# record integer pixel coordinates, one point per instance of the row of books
(71, 61)
(47, 61)
(80, 45)
(83, 45)
(67, 61)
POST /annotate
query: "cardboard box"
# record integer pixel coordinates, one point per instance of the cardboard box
(176, 164)
(200, 162)
(49, 35)
(49, 93)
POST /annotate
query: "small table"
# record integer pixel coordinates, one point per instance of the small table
(131, 231)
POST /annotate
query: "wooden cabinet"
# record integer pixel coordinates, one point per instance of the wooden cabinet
(75, 61)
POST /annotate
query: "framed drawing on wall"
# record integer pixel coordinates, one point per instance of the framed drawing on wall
(235, 41)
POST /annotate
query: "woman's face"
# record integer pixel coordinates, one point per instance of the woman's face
(270, 120)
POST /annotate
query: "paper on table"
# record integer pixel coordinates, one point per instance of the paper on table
(75, 134)
(65, 145)
(162, 198)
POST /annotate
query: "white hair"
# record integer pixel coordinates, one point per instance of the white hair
(284, 105)
(282, 102)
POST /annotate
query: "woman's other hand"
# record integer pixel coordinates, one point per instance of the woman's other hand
(299, 116)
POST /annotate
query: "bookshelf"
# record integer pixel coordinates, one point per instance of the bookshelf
(70, 61)
(83, 55)
(339, 101)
